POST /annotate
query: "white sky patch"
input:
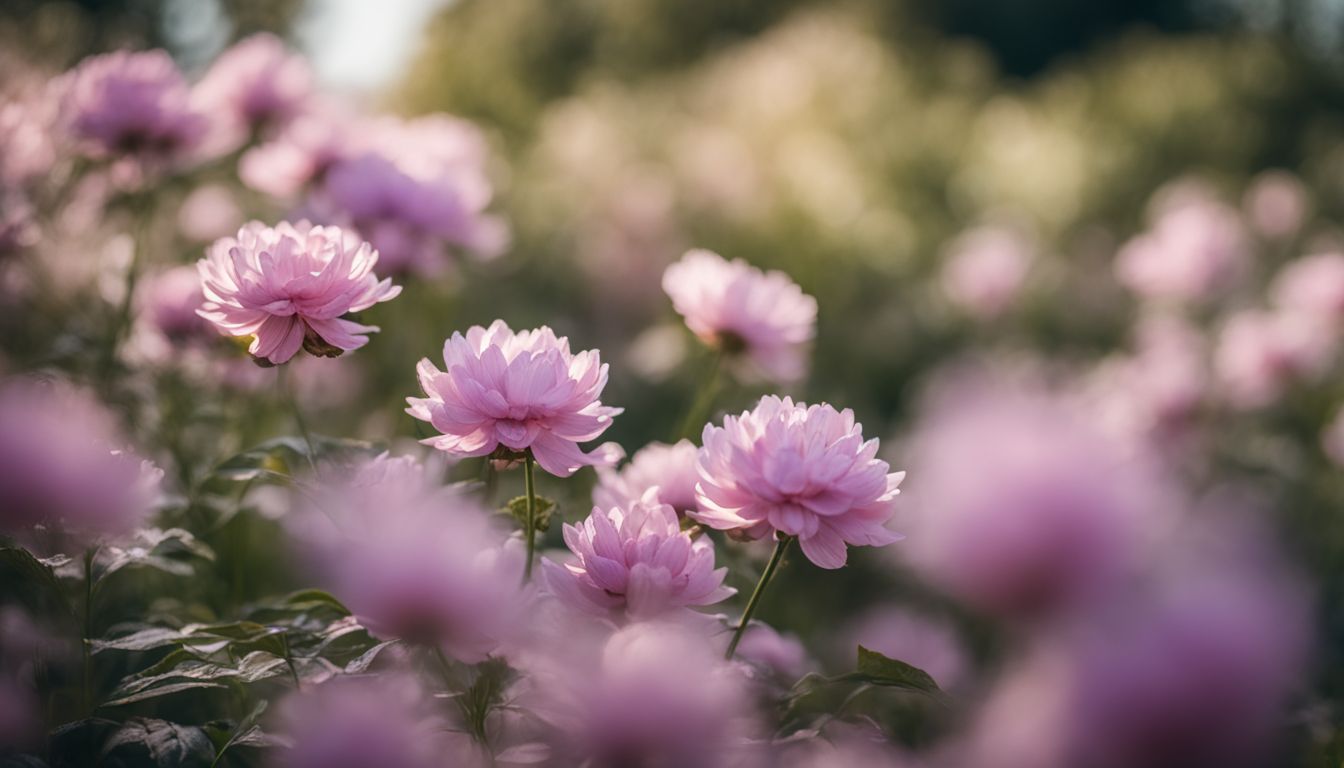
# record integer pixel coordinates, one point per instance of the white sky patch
(363, 44)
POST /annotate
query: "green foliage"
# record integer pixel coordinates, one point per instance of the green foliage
(545, 510)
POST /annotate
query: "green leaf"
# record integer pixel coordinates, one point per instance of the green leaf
(162, 690)
(166, 551)
(876, 669)
(361, 664)
(546, 509)
(18, 567)
(159, 743)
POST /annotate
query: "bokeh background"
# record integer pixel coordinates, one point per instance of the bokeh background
(850, 144)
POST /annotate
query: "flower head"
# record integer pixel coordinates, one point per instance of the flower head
(740, 309)
(1312, 286)
(521, 391)
(137, 105)
(288, 287)
(256, 84)
(798, 470)
(636, 558)
(670, 468)
(1260, 354)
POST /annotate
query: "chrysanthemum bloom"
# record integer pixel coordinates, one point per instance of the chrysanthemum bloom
(797, 470)
(520, 391)
(134, 105)
(1276, 204)
(670, 468)
(635, 558)
(288, 287)
(985, 269)
(356, 722)
(79, 482)
(1261, 354)
(1195, 248)
(256, 85)
(1025, 509)
(1312, 286)
(740, 310)
(412, 559)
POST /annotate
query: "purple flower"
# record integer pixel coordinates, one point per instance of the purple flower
(741, 310)
(255, 85)
(798, 471)
(300, 155)
(985, 269)
(131, 104)
(1195, 247)
(635, 558)
(522, 391)
(78, 481)
(412, 559)
(288, 287)
(670, 468)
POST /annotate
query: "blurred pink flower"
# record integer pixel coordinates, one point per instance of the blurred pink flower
(984, 270)
(209, 212)
(635, 558)
(1156, 389)
(1312, 286)
(131, 104)
(1276, 204)
(300, 155)
(670, 468)
(523, 391)
(256, 85)
(919, 640)
(798, 471)
(357, 722)
(1261, 354)
(739, 309)
(288, 286)
(81, 481)
(1195, 247)
(782, 656)
(1025, 509)
(412, 559)
(1332, 440)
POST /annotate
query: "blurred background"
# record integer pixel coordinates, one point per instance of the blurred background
(863, 147)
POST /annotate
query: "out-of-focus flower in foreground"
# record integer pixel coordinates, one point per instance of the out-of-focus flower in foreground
(521, 391)
(288, 286)
(670, 468)
(797, 470)
(741, 311)
(635, 558)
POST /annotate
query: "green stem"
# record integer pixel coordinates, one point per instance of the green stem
(121, 322)
(289, 660)
(89, 556)
(780, 547)
(287, 386)
(530, 529)
(704, 401)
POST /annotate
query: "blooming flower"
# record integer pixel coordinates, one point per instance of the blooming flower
(636, 558)
(288, 287)
(1194, 248)
(799, 471)
(257, 84)
(669, 468)
(739, 309)
(126, 104)
(78, 481)
(522, 391)
(985, 269)
(412, 559)
(1260, 354)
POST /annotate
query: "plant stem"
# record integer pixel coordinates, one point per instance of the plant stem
(780, 547)
(289, 660)
(122, 320)
(704, 401)
(287, 386)
(89, 556)
(530, 529)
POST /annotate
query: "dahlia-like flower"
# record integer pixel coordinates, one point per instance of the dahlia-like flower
(356, 722)
(131, 104)
(520, 391)
(412, 559)
(669, 468)
(635, 558)
(289, 286)
(797, 470)
(1194, 248)
(1312, 286)
(258, 84)
(1260, 354)
(78, 481)
(985, 269)
(740, 310)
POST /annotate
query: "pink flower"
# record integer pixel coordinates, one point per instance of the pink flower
(1154, 391)
(78, 481)
(412, 559)
(522, 391)
(137, 105)
(1261, 354)
(255, 85)
(669, 468)
(1276, 204)
(1194, 248)
(782, 657)
(985, 269)
(1312, 286)
(739, 309)
(636, 558)
(209, 212)
(300, 155)
(798, 471)
(288, 287)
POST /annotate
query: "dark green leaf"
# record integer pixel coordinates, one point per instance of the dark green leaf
(162, 690)
(876, 669)
(145, 742)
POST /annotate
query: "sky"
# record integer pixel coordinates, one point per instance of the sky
(363, 44)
